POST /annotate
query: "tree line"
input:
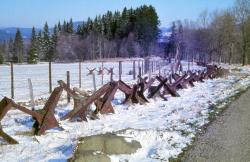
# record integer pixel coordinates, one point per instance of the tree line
(219, 36)
(129, 33)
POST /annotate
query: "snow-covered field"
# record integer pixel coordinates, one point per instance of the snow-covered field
(39, 76)
(163, 128)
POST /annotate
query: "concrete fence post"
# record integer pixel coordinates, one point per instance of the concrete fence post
(32, 101)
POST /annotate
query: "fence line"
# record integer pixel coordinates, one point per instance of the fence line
(124, 68)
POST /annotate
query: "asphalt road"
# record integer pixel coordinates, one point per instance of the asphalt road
(227, 139)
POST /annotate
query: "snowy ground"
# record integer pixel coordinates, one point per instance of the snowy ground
(163, 128)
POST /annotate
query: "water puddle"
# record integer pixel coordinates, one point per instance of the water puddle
(97, 148)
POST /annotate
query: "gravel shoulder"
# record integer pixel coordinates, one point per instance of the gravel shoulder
(227, 139)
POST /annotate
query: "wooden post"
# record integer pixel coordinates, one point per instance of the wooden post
(80, 74)
(139, 68)
(68, 84)
(134, 72)
(140, 71)
(142, 67)
(50, 78)
(120, 70)
(146, 66)
(94, 83)
(111, 74)
(152, 64)
(32, 101)
(192, 62)
(12, 79)
(149, 70)
(155, 68)
(102, 72)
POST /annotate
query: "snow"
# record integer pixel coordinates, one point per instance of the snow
(163, 128)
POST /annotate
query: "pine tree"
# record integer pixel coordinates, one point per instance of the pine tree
(70, 26)
(89, 25)
(46, 31)
(59, 27)
(96, 25)
(55, 33)
(82, 29)
(132, 20)
(64, 28)
(54, 38)
(32, 52)
(79, 30)
(104, 25)
(39, 43)
(117, 31)
(46, 43)
(113, 28)
(109, 21)
(18, 48)
(146, 26)
(124, 27)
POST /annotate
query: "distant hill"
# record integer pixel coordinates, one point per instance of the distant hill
(164, 35)
(165, 31)
(9, 32)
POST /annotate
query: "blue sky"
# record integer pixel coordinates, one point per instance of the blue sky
(28, 13)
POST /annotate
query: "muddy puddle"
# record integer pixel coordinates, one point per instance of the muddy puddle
(97, 148)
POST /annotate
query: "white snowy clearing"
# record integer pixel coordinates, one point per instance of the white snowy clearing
(163, 128)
